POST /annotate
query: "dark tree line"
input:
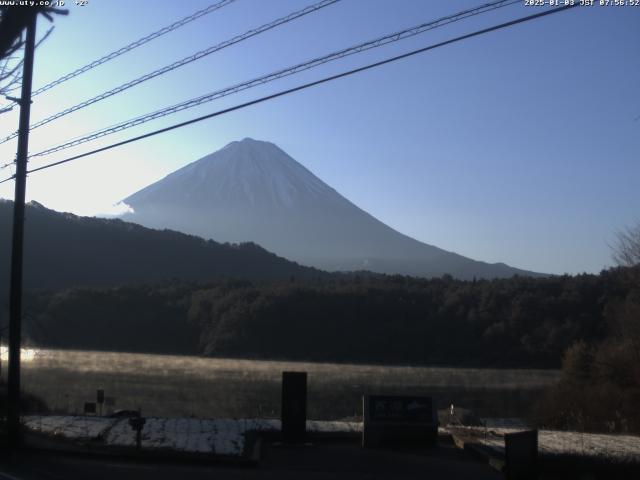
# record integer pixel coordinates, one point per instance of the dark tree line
(518, 322)
(138, 318)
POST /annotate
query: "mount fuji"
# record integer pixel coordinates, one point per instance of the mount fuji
(253, 191)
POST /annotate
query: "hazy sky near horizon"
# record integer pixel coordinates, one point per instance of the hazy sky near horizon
(520, 146)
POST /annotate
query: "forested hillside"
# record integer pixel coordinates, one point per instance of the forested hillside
(63, 250)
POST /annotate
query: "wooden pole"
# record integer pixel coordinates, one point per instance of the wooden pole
(15, 295)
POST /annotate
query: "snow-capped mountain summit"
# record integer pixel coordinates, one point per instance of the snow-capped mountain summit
(253, 191)
(248, 173)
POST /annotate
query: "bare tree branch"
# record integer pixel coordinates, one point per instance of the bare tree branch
(626, 250)
(11, 73)
(13, 21)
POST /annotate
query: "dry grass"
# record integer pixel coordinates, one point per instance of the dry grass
(206, 387)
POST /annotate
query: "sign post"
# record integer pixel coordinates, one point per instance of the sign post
(294, 407)
(137, 424)
(100, 399)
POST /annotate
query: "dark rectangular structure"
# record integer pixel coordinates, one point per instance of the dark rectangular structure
(390, 419)
(294, 407)
(521, 455)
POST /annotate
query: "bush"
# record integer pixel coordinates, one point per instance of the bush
(599, 389)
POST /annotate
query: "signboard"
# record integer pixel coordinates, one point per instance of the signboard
(390, 419)
(521, 455)
(400, 409)
(137, 423)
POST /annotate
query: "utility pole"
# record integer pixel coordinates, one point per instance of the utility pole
(15, 296)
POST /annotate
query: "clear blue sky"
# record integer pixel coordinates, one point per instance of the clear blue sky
(521, 146)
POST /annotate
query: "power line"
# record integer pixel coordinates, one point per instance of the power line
(146, 39)
(378, 42)
(180, 63)
(305, 86)
(7, 165)
(129, 47)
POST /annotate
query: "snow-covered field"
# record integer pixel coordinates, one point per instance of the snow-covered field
(189, 435)
(609, 447)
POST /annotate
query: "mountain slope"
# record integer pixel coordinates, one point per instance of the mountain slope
(253, 191)
(64, 250)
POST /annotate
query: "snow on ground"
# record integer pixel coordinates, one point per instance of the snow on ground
(74, 428)
(227, 436)
(332, 427)
(620, 448)
(191, 435)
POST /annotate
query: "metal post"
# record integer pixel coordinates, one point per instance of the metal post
(15, 299)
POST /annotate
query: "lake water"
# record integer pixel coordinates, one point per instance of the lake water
(178, 386)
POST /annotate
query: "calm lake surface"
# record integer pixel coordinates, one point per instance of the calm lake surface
(178, 386)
